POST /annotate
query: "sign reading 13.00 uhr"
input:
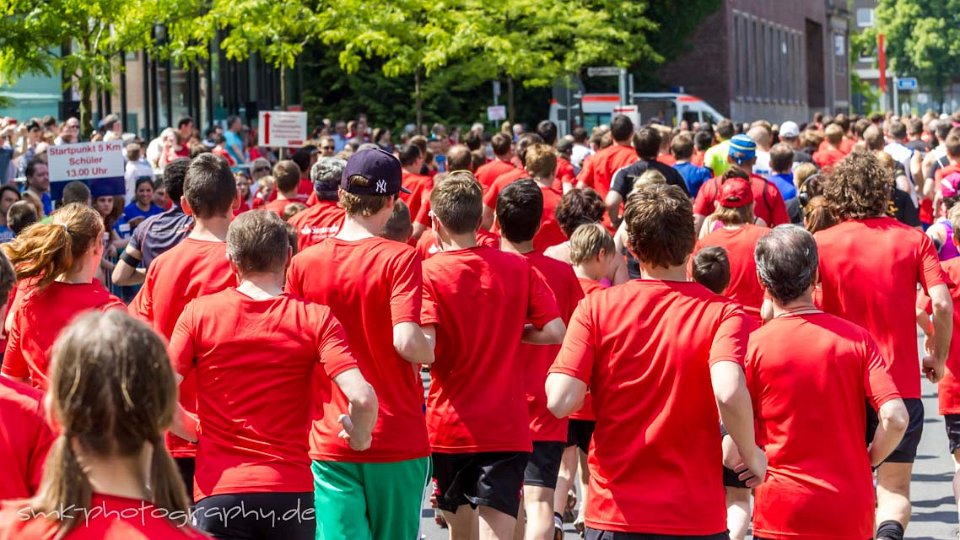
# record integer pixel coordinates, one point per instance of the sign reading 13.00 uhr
(98, 164)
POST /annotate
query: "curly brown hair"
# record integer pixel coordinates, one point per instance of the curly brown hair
(859, 187)
(659, 220)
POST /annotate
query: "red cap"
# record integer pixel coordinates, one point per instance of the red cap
(735, 192)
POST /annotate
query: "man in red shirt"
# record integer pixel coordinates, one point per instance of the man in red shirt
(809, 374)
(490, 194)
(518, 208)
(870, 266)
(827, 157)
(287, 175)
(597, 171)
(768, 202)
(564, 177)
(242, 344)
(373, 286)
(419, 186)
(195, 267)
(480, 303)
(503, 154)
(323, 219)
(660, 356)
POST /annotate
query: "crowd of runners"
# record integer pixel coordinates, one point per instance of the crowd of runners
(655, 332)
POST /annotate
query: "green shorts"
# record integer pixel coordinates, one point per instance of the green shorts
(370, 501)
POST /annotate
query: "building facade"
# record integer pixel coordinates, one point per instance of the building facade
(774, 60)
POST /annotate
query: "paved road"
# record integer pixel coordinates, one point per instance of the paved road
(934, 511)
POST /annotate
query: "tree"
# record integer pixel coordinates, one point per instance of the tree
(275, 30)
(81, 39)
(535, 42)
(922, 39)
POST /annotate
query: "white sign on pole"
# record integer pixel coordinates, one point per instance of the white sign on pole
(630, 111)
(280, 129)
(497, 112)
(99, 164)
(604, 71)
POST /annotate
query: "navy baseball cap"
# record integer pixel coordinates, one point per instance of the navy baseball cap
(378, 166)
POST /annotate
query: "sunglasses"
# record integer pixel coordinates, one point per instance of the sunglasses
(327, 147)
(262, 169)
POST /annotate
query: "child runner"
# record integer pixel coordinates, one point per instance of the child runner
(518, 212)
(288, 181)
(58, 261)
(243, 343)
(113, 394)
(711, 268)
(476, 302)
(373, 286)
(195, 267)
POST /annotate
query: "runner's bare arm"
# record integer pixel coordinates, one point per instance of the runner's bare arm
(736, 413)
(551, 333)
(488, 215)
(942, 331)
(613, 206)
(126, 274)
(411, 343)
(364, 407)
(564, 394)
(893, 424)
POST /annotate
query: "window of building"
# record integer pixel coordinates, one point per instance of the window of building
(865, 17)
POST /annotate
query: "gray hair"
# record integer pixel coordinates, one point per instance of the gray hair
(787, 262)
(325, 175)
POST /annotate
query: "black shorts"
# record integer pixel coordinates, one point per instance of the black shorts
(952, 422)
(732, 479)
(543, 467)
(187, 467)
(906, 451)
(492, 479)
(257, 515)
(594, 534)
(579, 433)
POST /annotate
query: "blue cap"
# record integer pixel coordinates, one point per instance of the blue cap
(742, 148)
(380, 167)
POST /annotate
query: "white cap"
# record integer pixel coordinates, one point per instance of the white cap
(789, 130)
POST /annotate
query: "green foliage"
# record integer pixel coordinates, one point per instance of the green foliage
(922, 39)
(95, 32)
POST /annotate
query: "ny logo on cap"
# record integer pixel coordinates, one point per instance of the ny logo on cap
(381, 186)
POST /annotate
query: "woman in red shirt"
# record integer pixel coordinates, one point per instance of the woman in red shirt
(113, 394)
(59, 262)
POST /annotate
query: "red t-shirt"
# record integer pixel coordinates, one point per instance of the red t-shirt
(304, 191)
(589, 287)
(479, 300)
(322, 220)
(108, 518)
(827, 158)
(241, 351)
(768, 203)
(948, 389)
(564, 174)
(488, 172)
(25, 439)
(371, 285)
(420, 188)
(550, 233)
(809, 376)
(667, 159)
(644, 350)
(427, 245)
(565, 286)
(40, 316)
(502, 181)
(598, 169)
(869, 270)
(189, 270)
(278, 205)
(740, 243)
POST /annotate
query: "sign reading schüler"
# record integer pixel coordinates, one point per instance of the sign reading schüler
(97, 164)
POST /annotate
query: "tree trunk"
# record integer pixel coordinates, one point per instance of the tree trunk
(419, 100)
(85, 84)
(510, 107)
(283, 88)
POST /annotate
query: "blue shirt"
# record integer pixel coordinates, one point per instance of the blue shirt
(6, 234)
(233, 140)
(693, 176)
(132, 211)
(784, 182)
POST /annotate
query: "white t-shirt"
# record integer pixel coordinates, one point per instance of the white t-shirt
(135, 170)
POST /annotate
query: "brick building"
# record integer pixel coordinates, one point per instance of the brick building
(774, 60)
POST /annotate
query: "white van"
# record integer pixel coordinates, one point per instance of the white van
(670, 108)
